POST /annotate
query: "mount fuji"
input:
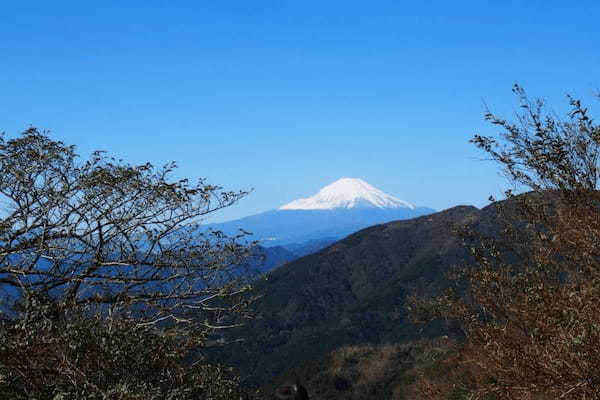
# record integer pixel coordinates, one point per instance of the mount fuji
(337, 210)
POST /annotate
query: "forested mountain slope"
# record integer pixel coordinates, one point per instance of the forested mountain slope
(352, 292)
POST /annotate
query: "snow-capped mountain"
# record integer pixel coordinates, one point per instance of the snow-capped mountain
(347, 193)
(337, 210)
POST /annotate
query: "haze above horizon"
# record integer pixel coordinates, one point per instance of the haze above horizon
(286, 98)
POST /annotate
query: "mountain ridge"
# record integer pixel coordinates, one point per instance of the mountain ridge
(285, 226)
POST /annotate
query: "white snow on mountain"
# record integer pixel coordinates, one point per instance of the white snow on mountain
(347, 193)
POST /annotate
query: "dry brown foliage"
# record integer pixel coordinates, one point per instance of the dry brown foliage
(530, 311)
(387, 369)
(73, 358)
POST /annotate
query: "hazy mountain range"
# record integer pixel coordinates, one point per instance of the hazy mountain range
(337, 210)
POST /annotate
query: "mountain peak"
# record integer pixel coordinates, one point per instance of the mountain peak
(347, 193)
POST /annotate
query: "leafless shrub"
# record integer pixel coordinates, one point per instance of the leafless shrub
(531, 309)
(107, 282)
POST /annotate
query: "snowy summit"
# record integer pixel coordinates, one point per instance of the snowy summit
(347, 193)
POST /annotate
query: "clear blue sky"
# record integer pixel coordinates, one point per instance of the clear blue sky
(288, 96)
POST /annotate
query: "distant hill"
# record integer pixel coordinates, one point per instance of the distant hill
(351, 293)
(336, 211)
(310, 246)
(275, 256)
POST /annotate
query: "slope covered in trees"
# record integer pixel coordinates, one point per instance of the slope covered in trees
(352, 293)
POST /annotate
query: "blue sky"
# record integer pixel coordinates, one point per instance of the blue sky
(288, 96)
